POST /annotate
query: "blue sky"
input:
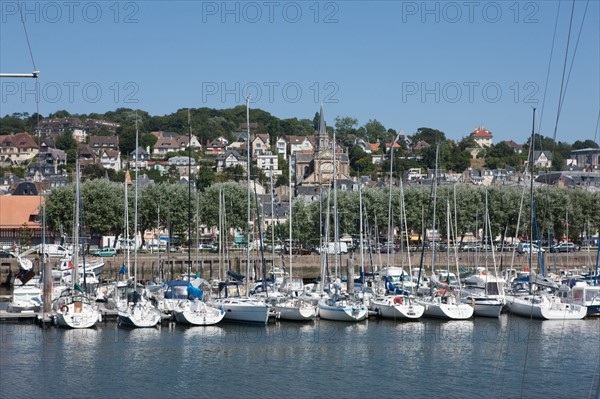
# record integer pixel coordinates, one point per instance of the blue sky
(447, 65)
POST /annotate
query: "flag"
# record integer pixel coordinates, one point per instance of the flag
(123, 270)
(70, 265)
(78, 288)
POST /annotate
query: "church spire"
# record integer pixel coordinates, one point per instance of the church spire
(322, 136)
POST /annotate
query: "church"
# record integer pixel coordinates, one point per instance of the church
(318, 167)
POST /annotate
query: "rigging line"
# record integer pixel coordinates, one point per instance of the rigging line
(575, 51)
(596, 130)
(27, 36)
(562, 83)
(549, 65)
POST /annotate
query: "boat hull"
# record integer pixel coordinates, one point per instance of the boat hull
(139, 316)
(76, 316)
(199, 314)
(342, 312)
(244, 311)
(449, 311)
(485, 307)
(392, 308)
(295, 313)
(537, 307)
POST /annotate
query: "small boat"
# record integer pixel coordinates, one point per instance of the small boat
(586, 295)
(241, 309)
(544, 306)
(397, 307)
(25, 298)
(342, 308)
(197, 313)
(74, 309)
(139, 314)
(445, 305)
(295, 309)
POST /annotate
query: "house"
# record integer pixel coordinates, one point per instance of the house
(141, 156)
(161, 166)
(346, 185)
(541, 159)
(377, 159)
(421, 145)
(17, 149)
(86, 156)
(53, 157)
(99, 143)
(260, 144)
(99, 124)
(39, 171)
(268, 162)
(366, 147)
(229, 159)
(281, 147)
(7, 181)
(274, 213)
(388, 145)
(482, 137)
(301, 144)
(183, 165)
(217, 146)
(517, 148)
(110, 159)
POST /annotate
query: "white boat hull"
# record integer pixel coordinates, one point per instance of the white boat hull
(139, 316)
(341, 311)
(295, 311)
(397, 307)
(451, 311)
(198, 313)
(77, 315)
(543, 308)
(485, 307)
(243, 310)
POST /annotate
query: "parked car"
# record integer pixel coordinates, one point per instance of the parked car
(564, 247)
(106, 251)
(6, 254)
(388, 248)
(526, 247)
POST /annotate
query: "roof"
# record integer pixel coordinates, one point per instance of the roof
(104, 141)
(481, 132)
(374, 147)
(514, 145)
(18, 210)
(18, 140)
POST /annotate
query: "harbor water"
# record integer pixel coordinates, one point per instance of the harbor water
(510, 357)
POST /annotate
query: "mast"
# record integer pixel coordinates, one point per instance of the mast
(135, 223)
(531, 146)
(360, 228)
(290, 213)
(249, 167)
(272, 224)
(190, 198)
(75, 274)
(126, 232)
(390, 223)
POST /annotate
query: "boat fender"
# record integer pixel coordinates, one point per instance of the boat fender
(64, 309)
(473, 302)
(398, 300)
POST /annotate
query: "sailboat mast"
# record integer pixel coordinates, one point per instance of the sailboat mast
(531, 146)
(135, 222)
(360, 228)
(249, 167)
(75, 274)
(290, 214)
(190, 198)
(390, 223)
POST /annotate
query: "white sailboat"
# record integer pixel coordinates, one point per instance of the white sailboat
(293, 308)
(139, 313)
(541, 304)
(74, 309)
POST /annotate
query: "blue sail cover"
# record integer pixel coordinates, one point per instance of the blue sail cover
(194, 292)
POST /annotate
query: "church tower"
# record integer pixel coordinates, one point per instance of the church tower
(322, 136)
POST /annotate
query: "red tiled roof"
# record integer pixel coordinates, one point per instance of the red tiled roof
(375, 147)
(481, 132)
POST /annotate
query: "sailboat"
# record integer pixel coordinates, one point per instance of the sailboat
(75, 309)
(541, 304)
(339, 306)
(397, 302)
(293, 306)
(238, 308)
(139, 312)
(444, 301)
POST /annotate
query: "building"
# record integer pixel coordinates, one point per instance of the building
(321, 167)
(141, 156)
(20, 221)
(517, 148)
(482, 137)
(17, 149)
(268, 162)
(229, 159)
(541, 160)
(587, 159)
(281, 147)
(301, 144)
(183, 165)
(110, 159)
(99, 143)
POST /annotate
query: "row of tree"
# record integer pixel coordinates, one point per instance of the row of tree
(557, 210)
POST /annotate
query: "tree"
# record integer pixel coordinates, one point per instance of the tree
(580, 145)
(501, 155)
(205, 178)
(431, 136)
(66, 142)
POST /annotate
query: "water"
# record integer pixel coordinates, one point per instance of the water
(482, 358)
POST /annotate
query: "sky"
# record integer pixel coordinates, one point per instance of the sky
(447, 65)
